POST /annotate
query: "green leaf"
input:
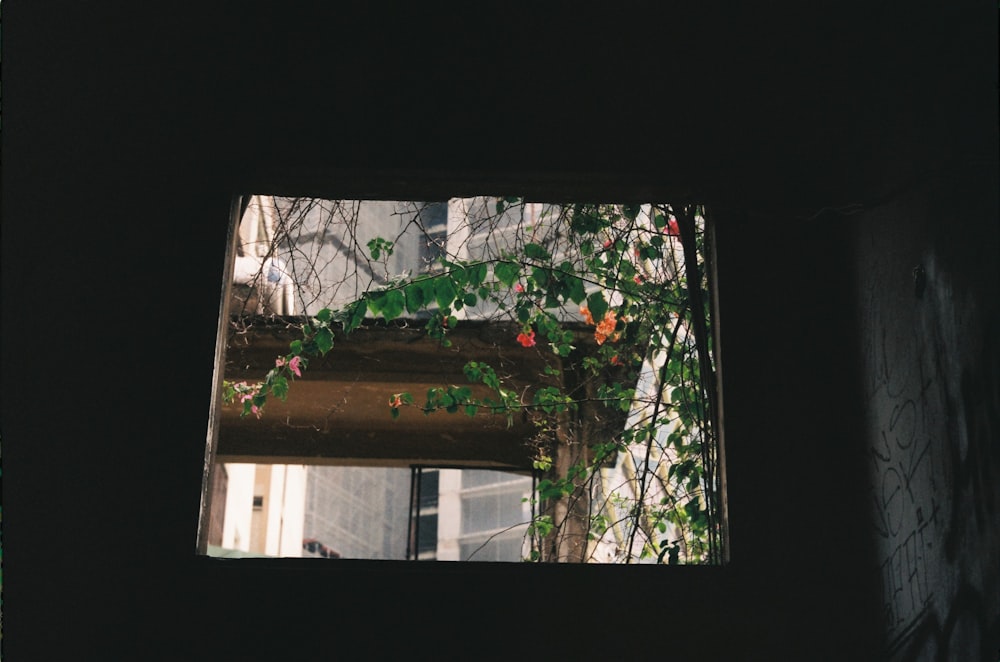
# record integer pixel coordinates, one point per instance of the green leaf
(324, 340)
(280, 387)
(536, 252)
(460, 276)
(375, 302)
(470, 410)
(392, 306)
(444, 292)
(414, 297)
(477, 274)
(575, 289)
(325, 315)
(597, 305)
(295, 347)
(507, 272)
(356, 314)
(469, 299)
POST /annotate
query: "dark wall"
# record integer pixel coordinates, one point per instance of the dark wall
(930, 323)
(126, 131)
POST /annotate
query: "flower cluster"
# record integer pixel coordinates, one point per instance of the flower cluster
(295, 364)
(605, 328)
(243, 393)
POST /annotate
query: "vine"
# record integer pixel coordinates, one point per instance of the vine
(634, 274)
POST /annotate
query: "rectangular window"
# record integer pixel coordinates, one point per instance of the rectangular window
(485, 378)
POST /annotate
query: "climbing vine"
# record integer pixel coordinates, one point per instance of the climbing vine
(636, 277)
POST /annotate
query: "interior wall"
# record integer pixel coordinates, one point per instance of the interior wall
(127, 130)
(929, 315)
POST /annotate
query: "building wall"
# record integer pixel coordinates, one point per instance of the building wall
(238, 515)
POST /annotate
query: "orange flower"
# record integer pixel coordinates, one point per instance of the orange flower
(606, 329)
(395, 401)
(586, 314)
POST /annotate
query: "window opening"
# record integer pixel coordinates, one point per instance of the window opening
(554, 362)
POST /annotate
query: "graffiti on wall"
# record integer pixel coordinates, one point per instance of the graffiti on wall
(932, 403)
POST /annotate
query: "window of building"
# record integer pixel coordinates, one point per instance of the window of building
(626, 469)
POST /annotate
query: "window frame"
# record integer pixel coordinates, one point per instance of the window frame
(212, 442)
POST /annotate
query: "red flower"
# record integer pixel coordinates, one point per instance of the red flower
(395, 401)
(526, 339)
(615, 360)
(638, 278)
(518, 287)
(673, 229)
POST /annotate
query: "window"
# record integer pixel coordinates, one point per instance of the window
(484, 378)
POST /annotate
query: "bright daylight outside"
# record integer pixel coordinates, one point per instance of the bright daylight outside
(473, 379)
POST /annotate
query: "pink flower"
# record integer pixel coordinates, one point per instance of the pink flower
(395, 401)
(518, 287)
(638, 278)
(526, 339)
(293, 365)
(280, 361)
(256, 410)
(608, 243)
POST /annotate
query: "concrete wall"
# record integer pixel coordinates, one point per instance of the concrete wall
(121, 119)
(929, 314)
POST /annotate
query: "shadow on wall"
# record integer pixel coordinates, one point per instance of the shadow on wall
(933, 419)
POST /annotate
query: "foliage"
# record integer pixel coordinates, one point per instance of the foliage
(636, 276)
